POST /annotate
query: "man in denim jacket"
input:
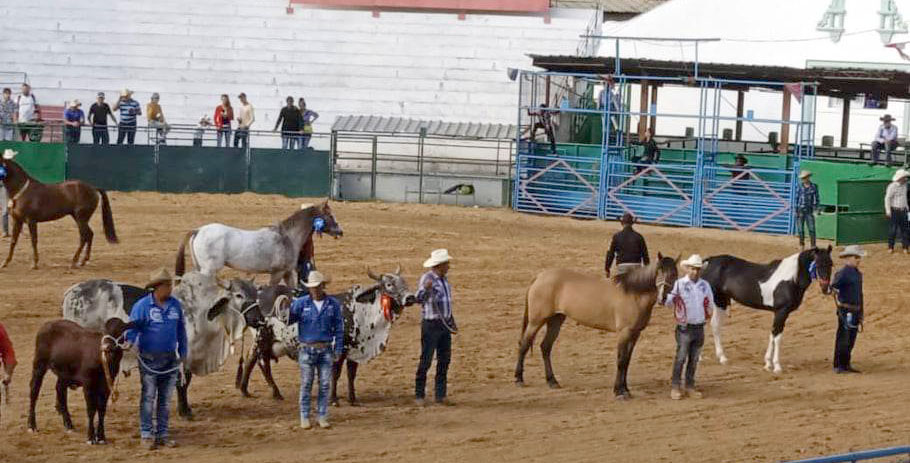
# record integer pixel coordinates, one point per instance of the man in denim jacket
(320, 330)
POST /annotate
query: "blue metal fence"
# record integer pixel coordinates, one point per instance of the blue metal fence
(861, 456)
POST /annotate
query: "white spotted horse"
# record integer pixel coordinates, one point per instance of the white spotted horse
(778, 286)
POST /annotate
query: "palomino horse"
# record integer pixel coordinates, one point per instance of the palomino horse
(35, 202)
(273, 250)
(622, 305)
(777, 286)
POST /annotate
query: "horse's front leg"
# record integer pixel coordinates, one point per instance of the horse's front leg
(772, 355)
(625, 343)
(17, 229)
(33, 233)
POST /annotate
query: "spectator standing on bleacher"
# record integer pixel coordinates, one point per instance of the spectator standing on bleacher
(307, 118)
(129, 112)
(289, 120)
(29, 113)
(7, 115)
(156, 119)
(97, 117)
(224, 114)
(73, 119)
(885, 137)
(245, 118)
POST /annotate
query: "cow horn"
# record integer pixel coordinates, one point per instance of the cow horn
(372, 275)
(398, 270)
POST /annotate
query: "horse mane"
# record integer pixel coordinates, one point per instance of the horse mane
(638, 280)
(297, 218)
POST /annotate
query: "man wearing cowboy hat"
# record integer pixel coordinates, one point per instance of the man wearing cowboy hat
(437, 325)
(885, 137)
(129, 112)
(320, 330)
(896, 209)
(807, 202)
(848, 286)
(73, 119)
(693, 303)
(160, 334)
(627, 247)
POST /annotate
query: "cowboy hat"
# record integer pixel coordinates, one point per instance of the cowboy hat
(75, 103)
(804, 174)
(162, 275)
(899, 174)
(852, 250)
(126, 92)
(9, 154)
(437, 257)
(886, 118)
(694, 261)
(316, 278)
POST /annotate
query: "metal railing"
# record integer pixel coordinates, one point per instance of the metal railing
(861, 456)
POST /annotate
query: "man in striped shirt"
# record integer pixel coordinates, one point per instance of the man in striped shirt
(129, 110)
(435, 294)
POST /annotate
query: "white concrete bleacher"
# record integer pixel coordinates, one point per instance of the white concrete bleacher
(410, 64)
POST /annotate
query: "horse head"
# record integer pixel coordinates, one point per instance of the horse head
(666, 276)
(823, 265)
(324, 221)
(395, 288)
(12, 173)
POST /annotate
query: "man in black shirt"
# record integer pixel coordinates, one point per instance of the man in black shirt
(97, 117)
(627, 247)
(289, 119)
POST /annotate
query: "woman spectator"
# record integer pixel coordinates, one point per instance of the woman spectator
(73, 118)
(224, 114)
(307, 118)
(289, 120)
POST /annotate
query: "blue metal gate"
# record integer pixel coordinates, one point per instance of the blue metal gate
(661, 194)
(747, 199)
(557, 184)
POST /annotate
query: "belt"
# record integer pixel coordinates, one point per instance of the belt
(844, 305)
(318, 345)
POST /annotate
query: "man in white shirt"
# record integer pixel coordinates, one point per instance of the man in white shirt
(29, 112)
(885, 137)
(245, 118)
(896, 209)
(693, 303)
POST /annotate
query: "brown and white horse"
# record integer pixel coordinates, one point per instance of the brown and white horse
(35, 202)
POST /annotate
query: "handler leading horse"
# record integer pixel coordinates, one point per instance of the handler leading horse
(272, 250)
(35, 202)
(622, 305)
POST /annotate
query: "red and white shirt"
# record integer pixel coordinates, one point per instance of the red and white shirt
(692, 301)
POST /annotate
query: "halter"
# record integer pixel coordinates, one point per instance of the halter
(104, 364)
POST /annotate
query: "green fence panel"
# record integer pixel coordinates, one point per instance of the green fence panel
(44, 161)
(188, 169)
(862, 195)
(862, 227)
(114, 167)
(827, 173)
(291, 173)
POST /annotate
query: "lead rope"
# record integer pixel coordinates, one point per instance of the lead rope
(111, 385)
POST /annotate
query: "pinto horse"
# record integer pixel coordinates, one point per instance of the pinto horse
(622, 305)
(777, 286)
(35, 202)
(273, 250)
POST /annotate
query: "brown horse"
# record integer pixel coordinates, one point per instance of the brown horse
(622, 305)
(35, 202)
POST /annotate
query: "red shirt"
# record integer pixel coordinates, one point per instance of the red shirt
(7, 354)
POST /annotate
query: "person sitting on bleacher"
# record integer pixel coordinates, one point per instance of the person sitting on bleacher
(885, 137)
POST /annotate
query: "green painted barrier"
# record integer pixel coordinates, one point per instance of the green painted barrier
(114, 167)
(859, 215)
(826, 174)
(188, 169)
(291, 173)
(44, 161)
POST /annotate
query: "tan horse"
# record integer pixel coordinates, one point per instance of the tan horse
(622, 305)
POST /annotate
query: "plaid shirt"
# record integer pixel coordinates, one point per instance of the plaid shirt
(807, 197)
(437, 301)
(7, 109)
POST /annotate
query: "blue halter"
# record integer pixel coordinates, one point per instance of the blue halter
(813, 271)
(318, 224)
(2, 173)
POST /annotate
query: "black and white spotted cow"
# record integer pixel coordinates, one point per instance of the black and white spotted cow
(213, 318)
(369, 313)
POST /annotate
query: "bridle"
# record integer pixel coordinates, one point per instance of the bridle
(105, 364)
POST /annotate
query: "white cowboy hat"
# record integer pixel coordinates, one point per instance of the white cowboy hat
(9, 154)
(316, 278)
(694, 261)
(306, 206)
(126, 92)
(805, 174)
(75, 103)
(439, 256)
(162, 275)
(901, 173)
(853, 250)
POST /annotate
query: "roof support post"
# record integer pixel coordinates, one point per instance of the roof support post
(785, 123)
(740, 103)
(643, 110)
(653, 121)
(845, 123)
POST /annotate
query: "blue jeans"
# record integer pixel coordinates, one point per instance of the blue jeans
(156, 393)
(224, 133)
(805, 218)
(689, 341)
(305, 141)
(313, 360)
(288, 141)
(435, 338)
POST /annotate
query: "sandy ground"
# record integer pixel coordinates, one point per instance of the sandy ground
(747, 415)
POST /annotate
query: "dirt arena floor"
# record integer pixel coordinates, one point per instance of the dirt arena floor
(747, 415)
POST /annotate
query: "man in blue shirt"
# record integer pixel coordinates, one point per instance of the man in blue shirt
(160, 335)
(807, 202)
(848, 284)
(129, 110)
(320, 330)
(437, 327)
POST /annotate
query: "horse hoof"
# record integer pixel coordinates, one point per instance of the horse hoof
(336, 403)
(777, 370)
(554, 385)
(278, 397)
(32, 430)
(623, 396)
(723, 360)
(354, 403)
(101, 442)
(520, 383)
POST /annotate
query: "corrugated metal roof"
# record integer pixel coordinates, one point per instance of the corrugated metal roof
(611, 6)
(378, 124)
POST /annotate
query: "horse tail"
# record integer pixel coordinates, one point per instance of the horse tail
(524, 319)
(107, 218)
(180, 266)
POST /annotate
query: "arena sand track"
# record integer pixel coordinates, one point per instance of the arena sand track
(747, 415)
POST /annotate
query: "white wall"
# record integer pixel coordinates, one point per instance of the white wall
(419, 65)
